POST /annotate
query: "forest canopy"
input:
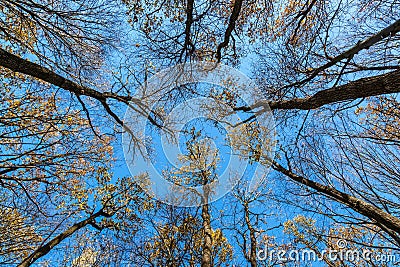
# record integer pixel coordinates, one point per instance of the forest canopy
(312, 84)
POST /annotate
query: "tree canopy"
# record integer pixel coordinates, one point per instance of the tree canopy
(321, 132)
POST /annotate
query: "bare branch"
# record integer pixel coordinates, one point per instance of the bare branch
(391, 30)
(231, 26)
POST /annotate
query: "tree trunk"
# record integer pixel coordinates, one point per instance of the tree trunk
(43, 250)
(390, 223)
(252, 257)
(206, 260)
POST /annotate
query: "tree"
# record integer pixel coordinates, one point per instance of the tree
(329, 70)
(335, 250)
(199, 169)
(17, 236)
(55, 161)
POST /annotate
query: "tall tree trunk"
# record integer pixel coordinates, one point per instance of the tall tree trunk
(206, 260)
(252, 257)
(43, 250)
(384, 220)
